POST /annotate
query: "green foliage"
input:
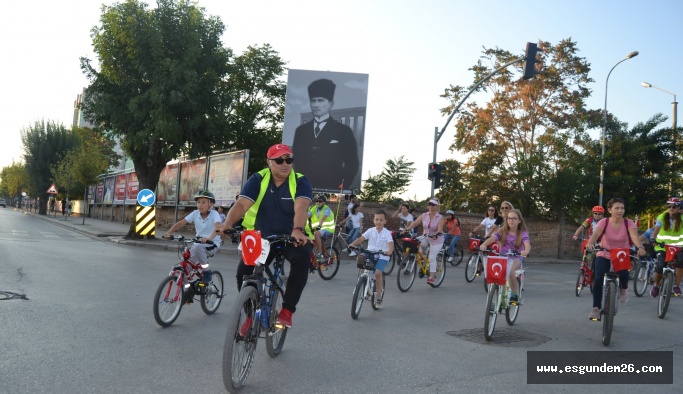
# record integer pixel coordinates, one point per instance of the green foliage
(451, 194)
(14, 180)
(394, 179)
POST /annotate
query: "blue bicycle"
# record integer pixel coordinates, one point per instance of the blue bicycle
(255, 312)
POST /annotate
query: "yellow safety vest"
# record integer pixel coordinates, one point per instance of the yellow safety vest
(250, 217)
(328, 224)
(669, 236)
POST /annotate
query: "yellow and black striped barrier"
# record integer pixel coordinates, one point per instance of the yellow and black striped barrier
(145, 220)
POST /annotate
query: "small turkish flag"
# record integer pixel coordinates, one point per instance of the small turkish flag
(671, 252)
(251, 246)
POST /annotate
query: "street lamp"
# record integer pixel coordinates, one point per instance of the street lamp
(604, 125)
(674, 113)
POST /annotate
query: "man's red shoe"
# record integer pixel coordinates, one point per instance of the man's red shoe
(285, 317)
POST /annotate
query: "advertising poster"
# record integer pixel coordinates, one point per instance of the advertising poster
(168, 185)
(192, 180)
(99, 196)
(120, 189)
(227, 174)
(109, 189)
(132, 186)
(325, 115)
(91, 194)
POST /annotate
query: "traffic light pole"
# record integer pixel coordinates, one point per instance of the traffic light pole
(437, 134)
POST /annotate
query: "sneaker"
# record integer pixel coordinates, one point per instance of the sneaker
(654, 292)
(285, 317)
(450, 259)
(677, 290)
(595, 314)
(245, 327)
(430, 281)
(352, 254)
(345, 250)
(623, 295)
(378, 302)
(513, 298)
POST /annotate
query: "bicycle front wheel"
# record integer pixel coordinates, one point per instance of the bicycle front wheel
(513, 310)
(330, 265)
(665, 294)
(168, 301)
(608, 312)
(580, 282)
(471, 269)
(240, 339)
(358, 296)
(389, 268)
(440, 269)
(275, 337)
(491, 313)
(211, 300)
(406, 273)
(640, 282)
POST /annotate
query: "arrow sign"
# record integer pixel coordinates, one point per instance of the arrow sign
(146, 198)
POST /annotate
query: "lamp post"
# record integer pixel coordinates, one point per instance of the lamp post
(604, 125)
(674, 113)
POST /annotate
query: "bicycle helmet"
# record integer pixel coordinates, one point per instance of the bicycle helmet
(205, 194)
(450, 212)
(674, 200)
(321, 197)
(598, 208)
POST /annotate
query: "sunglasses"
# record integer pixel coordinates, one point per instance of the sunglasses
(492, 210)
(597, 213)
(512, 218)
(431, 204)
(280, 160)
(672, 206)
(504, 207)
(320, 201)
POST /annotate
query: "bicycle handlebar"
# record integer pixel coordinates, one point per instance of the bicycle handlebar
(181, 238)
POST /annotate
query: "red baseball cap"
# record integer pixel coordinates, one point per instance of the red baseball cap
(278, 150)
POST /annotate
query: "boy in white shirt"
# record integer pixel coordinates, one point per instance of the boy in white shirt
(204, 219)
(379, 239)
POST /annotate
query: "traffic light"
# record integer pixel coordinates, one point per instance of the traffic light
(432, 171)
(437, 176)
(530, 60)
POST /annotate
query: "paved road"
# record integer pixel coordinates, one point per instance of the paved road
(87, 326)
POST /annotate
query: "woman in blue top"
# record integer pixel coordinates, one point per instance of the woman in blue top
(512, 236)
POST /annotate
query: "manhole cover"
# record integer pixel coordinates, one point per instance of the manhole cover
(6, 295)
(503, 336)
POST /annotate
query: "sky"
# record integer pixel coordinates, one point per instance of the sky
(412, 51)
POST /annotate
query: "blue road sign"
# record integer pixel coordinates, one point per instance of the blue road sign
(146, 198)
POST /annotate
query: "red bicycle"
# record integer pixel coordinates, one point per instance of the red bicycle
(326, 262)
(586, 271)
(186, 280)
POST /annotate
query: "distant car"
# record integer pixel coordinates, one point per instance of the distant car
(2, 202)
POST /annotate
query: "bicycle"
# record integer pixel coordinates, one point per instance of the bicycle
(255, 310)
(414, 258)
(458, 254)
(586, 271)
(186, 280)
(498, 298)
(610, 284)
(326, 261)
(645, 273)
(366, 286)
(475, 264)
(668, 278)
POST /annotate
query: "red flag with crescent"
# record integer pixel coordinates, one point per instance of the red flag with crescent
(251, 246)
(474, 244)
(496, 270)
(671, 252)
(495, 247)
(621, 259)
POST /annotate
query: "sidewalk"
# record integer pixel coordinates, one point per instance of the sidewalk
(116, 231)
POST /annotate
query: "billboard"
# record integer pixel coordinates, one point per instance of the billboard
(167, 189)
(192, 180)
(227, 174)
(109, 189)
(132, 186)
(325, 115)
(120, 188)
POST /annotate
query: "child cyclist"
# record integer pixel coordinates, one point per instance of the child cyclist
(379, 239)
(512, 236)
(204, 219)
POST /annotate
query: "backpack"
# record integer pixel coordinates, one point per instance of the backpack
(630, 242)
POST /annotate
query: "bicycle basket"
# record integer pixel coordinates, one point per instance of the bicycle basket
(367, 260)
(410, 245)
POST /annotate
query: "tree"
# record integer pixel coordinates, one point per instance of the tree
(394, 179)
(14, 180)
(45, 144)
(256, 94)
(158, 86)
(451, 194)
(517, 138)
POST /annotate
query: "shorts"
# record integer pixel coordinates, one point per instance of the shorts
(381, 264)
(325, 233)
